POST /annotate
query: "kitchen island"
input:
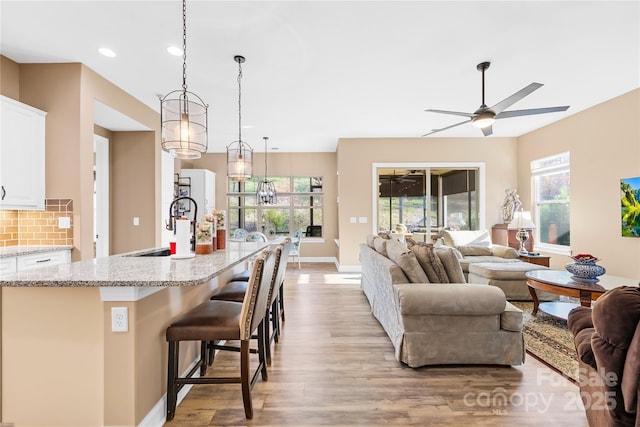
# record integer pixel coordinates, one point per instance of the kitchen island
(61, 362)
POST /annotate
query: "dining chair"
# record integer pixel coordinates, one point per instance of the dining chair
(255, 236)
(216, 320)
(295, 246)
(239, 234)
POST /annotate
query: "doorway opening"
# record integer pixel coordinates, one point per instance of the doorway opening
(100, 196)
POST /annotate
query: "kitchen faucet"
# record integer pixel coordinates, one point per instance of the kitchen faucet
(171, 225)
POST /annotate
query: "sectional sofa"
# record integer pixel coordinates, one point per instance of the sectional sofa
(431, 315)
(486, 263)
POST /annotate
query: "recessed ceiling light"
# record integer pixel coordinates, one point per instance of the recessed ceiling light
(247, 126)
(174, 50)
(107, 52)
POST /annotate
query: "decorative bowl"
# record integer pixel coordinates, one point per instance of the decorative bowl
(585, 269)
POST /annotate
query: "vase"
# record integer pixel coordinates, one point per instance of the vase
(204, 238)
(585, 271)
(221, 239)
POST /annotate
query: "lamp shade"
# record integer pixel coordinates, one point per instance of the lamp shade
(484, 119)
(184, 124)
(521, 219)
(239, 161)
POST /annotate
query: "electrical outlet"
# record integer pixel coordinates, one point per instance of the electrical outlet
(64, 222)
(119, 319)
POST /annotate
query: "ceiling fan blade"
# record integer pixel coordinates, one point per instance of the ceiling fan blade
(530, 112)
(487, 131)
(507, 102)
(448, 127)
(455, 113)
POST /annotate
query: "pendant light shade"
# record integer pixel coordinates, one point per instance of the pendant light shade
(266, 194)
(183, 114)
(239, 161)
(239, 153)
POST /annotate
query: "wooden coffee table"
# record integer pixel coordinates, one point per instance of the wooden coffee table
(560, 282)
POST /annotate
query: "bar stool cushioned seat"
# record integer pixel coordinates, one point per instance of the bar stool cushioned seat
(232, 291)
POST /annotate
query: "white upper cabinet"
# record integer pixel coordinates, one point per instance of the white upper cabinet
(22, 145)
(203, 189)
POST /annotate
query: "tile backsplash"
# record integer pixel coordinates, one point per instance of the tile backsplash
(38, 227)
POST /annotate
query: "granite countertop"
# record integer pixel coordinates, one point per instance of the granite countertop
(9, 251)
(128, 270)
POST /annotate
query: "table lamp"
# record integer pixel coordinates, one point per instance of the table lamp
(522, 222)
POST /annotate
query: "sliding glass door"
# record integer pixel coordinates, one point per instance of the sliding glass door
(429, 198)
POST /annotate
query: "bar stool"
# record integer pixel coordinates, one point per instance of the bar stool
(235, 290)
(216, 320)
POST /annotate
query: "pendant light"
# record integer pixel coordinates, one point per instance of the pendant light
(239, 153)
(266, 194)
(183, 114)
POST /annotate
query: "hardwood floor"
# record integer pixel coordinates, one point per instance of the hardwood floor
(334, 365)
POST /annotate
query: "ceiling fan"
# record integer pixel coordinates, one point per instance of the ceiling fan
(484, 117)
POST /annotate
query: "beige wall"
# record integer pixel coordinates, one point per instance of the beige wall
(287, 164)
(604, 142)
(67, 93)
(9, 78)
(52, 356)
(132, 182)
(55, 88)
(356, 157)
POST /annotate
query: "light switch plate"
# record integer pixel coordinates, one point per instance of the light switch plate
(362, 220)
(136, 220)
(353, 220)
(64, 222)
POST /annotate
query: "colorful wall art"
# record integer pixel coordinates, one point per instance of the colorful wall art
(630, 206)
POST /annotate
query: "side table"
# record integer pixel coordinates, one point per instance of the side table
(535, 259)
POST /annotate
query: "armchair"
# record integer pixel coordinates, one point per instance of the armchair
(607, 340)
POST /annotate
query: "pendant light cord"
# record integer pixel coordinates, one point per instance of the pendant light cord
(184, 45)
(240, 104)
(265, 157)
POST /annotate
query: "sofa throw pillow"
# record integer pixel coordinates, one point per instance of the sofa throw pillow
(428, 260)
(385, 235)
(380, 245)
(455, 238)
(407, 261)
(370, 239)
(473, 250)
(451, 264)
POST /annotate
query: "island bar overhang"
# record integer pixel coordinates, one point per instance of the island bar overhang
(60, 356)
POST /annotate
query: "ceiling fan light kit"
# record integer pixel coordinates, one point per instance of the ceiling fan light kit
(484, 117)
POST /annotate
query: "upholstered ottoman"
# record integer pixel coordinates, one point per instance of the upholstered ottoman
(508, 276)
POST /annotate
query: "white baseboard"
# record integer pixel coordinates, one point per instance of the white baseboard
(318, 259)
(348, 268)
(157, 416)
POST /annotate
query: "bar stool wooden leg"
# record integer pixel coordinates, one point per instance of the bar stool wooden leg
(245, 378)
(281, 298)
(172, 374)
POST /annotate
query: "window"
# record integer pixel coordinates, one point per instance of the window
(446, 196)
(299, 206)
(551, 189)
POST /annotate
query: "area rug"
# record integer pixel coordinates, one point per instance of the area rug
(548, 340)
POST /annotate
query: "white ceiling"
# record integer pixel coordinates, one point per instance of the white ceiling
(317, 71)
